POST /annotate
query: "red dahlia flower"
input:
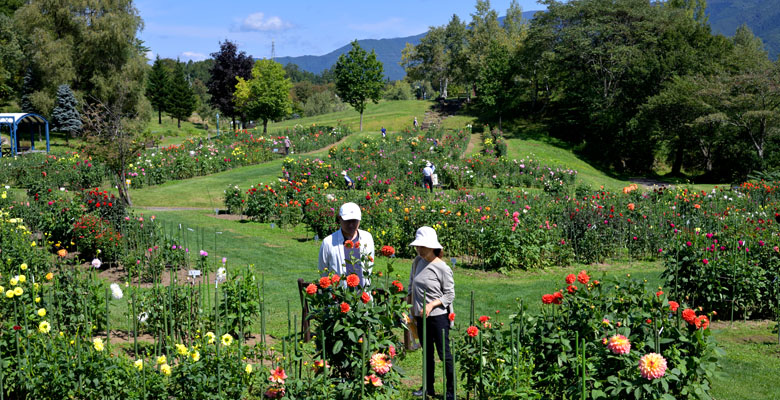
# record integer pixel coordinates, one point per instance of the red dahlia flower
(583, 277)
(570, 279)
(472, 331)
(365, 298)
(387, 251)
(702, 322)
(484, 319)
(547, 299)
(311, 289)
(673, 306)
(557, 298)
(571, 289)
(353, 280)
(344, 307)
(689, 315)
(325, 282)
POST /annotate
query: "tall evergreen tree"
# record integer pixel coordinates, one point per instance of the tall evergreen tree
(27, 90)
(359, 78)
(65, 117)
(182, 101)
(229, 65)
(158, 88)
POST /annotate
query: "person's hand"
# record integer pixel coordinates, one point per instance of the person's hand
(428, 308)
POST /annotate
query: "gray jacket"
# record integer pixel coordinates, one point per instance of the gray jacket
(435, 281)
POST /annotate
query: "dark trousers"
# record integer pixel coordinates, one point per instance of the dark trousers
(434, 338)
(428, 181)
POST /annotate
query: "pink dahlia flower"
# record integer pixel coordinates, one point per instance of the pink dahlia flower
(619, 344)
(652, 366)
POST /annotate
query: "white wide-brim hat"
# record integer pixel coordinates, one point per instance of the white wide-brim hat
(426, 237)
(428, 164)
(349, 211)
(343, 172)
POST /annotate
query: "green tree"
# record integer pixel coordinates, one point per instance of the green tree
(158, 88)
(181, 101)
(496, 83)
(11, 58)
(359, 78)
(266, 95)
(66, 117)
(89, 45)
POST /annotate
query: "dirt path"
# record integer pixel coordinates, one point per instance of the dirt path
(325, 149)
(475, 138)
(174, 208)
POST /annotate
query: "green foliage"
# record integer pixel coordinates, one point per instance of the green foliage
(65, 117)
(241, 301)
(11, 56)
(76, 300)
(96, 53)
(266, 95)
(322, 103)
(181, 101)
(359, 78)
(398, 90)
(158, 88)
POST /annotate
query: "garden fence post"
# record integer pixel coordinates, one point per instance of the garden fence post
(108, 327)
(425, 350)
(135, 326)
(2, 377)
(584, 389)
(444, 363)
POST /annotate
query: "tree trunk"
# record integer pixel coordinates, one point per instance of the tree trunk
(265, 126)
(178, 122)
(361, 121)
(233, 126)
(159, 117)
(124, 192)
(678, 159)
(444, 88)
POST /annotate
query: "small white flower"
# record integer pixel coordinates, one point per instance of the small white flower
(96, 263)
(142, 317)
(192, 153)
(116, 291)
(221, 275)
(62, 189)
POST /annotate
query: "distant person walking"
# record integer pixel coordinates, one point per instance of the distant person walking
(384, 132)
(415, 123)
(348, 181)
(287, 145)
(428, 175)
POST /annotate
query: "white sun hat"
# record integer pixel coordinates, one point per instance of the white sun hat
(426, 237)
(349, 211)
(343, 172)
(428, 164)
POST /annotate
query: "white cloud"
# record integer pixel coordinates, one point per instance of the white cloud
(149, 55)
(191, 55)
(258, 22)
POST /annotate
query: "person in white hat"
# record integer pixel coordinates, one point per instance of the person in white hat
(335, 257)
(428, 175)
(348, 181)
(432, 290)
(287, 145)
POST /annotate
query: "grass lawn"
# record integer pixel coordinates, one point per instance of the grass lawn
(393, 115)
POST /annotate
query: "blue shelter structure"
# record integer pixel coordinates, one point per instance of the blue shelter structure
(18, 123)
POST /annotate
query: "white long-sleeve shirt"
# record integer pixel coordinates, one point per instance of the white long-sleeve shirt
(331, 257)
(428, 171)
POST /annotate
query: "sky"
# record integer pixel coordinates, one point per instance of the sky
(192, 29)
